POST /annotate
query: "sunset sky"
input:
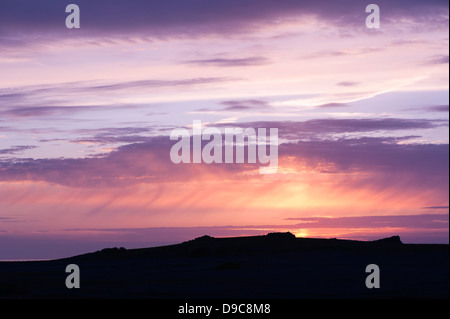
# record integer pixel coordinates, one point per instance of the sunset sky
(86, 114)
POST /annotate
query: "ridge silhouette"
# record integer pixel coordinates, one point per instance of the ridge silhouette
(276, 265)
(206, 245)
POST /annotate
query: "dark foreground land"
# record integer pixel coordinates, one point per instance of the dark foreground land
(276, 266)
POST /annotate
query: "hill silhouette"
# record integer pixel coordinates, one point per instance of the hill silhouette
(277, 265)
(270, 243)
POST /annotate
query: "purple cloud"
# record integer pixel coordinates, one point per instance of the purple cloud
(290, 129)
(439, 108)
(422, 165)
(240, 105)
(22, 95)
(433, 221)
(193, 17)
(333, 105)
(438, 59)
(430, 161)
(148, 84)
(43, 111)
(39, 101)
(240, 62)
(147, 159)
(16, 149)
(338, 53)
(146, 162)
(347, 83)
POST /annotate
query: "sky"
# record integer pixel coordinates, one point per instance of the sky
(86, 115)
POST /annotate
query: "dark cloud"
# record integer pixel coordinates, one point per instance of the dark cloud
(251, 105)
(148, 84)
(241, 105)
(433, 221)
(333, 105)
(290, 129)
(147, 159)
(436, 207)
(7, 219)
(127, 135)
(115, 130)
(373, 154)
(5, 97)
(437, 59)
(188, 17)
(87, 172)
(31, 111)
(44, 111)
(433, 108)
(20, 95)
(146, 162)
(240, 62)
(16, 149)
(439, 108)
(123, 135)
(384, 161)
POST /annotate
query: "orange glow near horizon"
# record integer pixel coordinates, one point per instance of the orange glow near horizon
(206, 201)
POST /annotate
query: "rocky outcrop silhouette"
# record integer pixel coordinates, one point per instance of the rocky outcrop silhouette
(393, 240)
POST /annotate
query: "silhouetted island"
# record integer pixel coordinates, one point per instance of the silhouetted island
(277, 265)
